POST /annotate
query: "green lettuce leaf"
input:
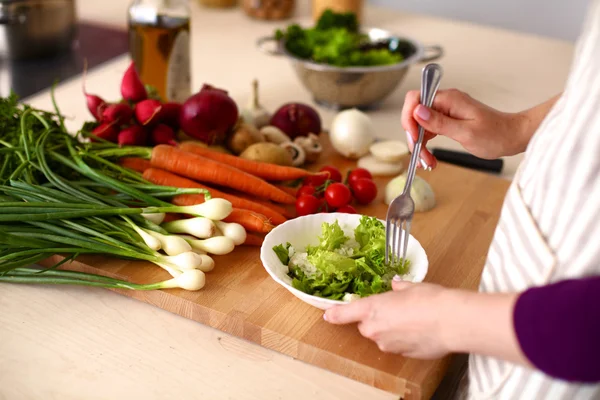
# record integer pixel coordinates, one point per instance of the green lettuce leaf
(364, 272)
(283, 252)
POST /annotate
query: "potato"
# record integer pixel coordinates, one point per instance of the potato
(244, 136)
(269, 153)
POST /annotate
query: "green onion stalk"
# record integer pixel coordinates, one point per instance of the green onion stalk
(60, 195)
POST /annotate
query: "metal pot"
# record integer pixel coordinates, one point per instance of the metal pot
(36, 28)
(360, 87)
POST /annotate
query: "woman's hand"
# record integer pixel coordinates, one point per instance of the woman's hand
(427, 321)
(405, 321)
(481, 130)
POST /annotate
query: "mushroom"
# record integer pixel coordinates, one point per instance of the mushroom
(311, 146)
(274, 135)
(297, 152)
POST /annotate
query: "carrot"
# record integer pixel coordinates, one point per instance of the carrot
(135, 163)
(207, 170)
(253, 240)
(250, 220)
(260, 169)
(266, 203)
(164, 178)
(172, 217)
(288, 189)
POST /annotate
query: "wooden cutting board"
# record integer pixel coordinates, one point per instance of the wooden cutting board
(241, 299)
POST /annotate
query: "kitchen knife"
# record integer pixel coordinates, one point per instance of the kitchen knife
(467, 160)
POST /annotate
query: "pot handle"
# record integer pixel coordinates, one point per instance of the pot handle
(261, 44)
(435, 51)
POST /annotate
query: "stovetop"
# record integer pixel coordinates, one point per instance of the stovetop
(95, 43)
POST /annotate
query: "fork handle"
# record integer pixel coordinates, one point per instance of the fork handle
(430, 81)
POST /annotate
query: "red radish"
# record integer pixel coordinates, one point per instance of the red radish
(208, 115)
(135, 135)
(106, 131)
(132, 88)
(95, 104)
(170, 114)
(297, 119)
(118, 113)
(163, 134)
(148, 112)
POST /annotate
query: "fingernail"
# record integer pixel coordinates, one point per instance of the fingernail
(409, 139)
(325, 316)
(424, 165)
(423, 112)
(397, 278)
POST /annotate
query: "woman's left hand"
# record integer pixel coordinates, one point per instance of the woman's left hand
(407, 320)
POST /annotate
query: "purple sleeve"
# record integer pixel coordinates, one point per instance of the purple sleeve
(558, 328)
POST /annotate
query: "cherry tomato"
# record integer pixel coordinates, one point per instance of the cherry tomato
(334, 173)
(358, 173)
(364, 190)
(337, 195)
(315, 180)
(348, 209)
(307, 204)
(308, 190)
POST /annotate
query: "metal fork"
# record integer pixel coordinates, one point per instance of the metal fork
(402, 208)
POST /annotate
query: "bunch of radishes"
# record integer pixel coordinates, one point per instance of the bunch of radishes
(140, 120)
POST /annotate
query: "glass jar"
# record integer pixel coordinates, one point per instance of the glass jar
(339, 6)
(269, 9)
(159, 44)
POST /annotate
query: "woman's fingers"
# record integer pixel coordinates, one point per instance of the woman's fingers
(354, 311)
(425, 154)
(436, 122)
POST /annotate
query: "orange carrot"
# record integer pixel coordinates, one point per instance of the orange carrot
(277, 208)
(135, 163)
(207, 170)
(263, 170)
(288, 189)
(253, 240)
(164, 178)
(266, 203)
(250, 220)
(172, 217)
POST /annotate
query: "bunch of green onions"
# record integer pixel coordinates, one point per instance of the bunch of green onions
(57, 197)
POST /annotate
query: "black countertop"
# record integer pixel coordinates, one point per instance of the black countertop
(95, 43)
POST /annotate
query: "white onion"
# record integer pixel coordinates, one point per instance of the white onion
(351, 133)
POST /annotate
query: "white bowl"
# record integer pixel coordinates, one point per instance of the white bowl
(303, 231)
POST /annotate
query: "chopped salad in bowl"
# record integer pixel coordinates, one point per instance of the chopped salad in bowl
(328, 259)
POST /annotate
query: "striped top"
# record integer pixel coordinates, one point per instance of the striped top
(549, 224)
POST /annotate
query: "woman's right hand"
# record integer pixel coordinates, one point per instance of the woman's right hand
(481, 130)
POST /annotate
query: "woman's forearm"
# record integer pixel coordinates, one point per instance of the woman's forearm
(554, 328)
(531, 120)
(481, 323)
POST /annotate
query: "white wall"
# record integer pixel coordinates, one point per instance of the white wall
(561, 19)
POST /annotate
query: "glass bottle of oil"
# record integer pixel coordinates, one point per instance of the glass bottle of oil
(159, 44)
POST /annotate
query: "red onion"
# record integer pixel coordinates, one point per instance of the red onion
(132, 88)
(118, 113)
(208, 115)
(170, 114)
(148, 112)
(134, 135)
(297, 119)
(163, 134)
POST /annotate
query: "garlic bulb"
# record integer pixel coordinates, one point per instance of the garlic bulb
(254, 113)
(351, 133)
(420, 191)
